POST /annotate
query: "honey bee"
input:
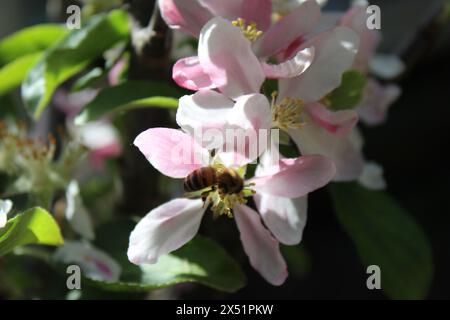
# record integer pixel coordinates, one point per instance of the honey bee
(227, 181)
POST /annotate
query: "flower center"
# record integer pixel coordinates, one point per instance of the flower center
(288, 113)
(250, 30)
(222, 204)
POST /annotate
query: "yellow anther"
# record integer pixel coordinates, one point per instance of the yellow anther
(223, 204)
(250, 30)
(288, 113)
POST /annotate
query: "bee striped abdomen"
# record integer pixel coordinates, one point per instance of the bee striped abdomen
(200, 179)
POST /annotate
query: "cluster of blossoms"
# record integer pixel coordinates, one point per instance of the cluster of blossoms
(242, 44)
(30, 161)
(39, 169)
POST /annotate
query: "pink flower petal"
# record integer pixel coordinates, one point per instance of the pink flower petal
(188, 73)
(252, 11)
(229, 9)
(356, 19)
(226, 56)
(285, 218)
(298, 23)
(335, 51)
(259, 245)
(268, 161)
(247, 123)
(336, 122)
(172, 152)
(376, 102)
(187, 15)
(99, 156)
(165, 229)
(291, 68)
(94, 263)
(203, 110)
(116, 71)
(346, 155)
(297, 177)
(251, 112)
(257, 11)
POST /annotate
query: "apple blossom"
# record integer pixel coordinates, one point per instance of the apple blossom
(234, 73)
(226, 61)
(171, 225)
(190, 16)
(31, 162)
(100, 137)
(335, 51)
(377, 97)
(324, 131)
(94, 263)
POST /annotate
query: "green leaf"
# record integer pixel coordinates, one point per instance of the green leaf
(34, 226)
(387, 236)
(71, 55)
(12, 74)
(30, 40)
(298, 260)
(127, 96)
(349, 94)
(201, 260)
(88, 79)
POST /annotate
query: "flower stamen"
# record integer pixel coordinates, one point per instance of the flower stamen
(250, 30)
(288, 113)
(222, 204)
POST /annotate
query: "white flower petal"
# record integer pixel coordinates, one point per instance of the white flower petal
(335, 51)
(203, 111)
(372, 176)
(5, 208)
(165, 229)
(345, 153)
(285, 218)
(77, 214)
(386, 66)
(97, 134)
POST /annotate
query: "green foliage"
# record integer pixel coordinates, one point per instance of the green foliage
(34, 226)
(12, 74)
(387, 236)
(201, 260)
(71, 55)
(130, 95)
(349, 94)
(88, 79)
(30, 40)
(298, 260)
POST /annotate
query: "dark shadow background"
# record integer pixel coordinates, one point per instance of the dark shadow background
(412, 147)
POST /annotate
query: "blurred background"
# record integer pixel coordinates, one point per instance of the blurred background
(411, 146)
